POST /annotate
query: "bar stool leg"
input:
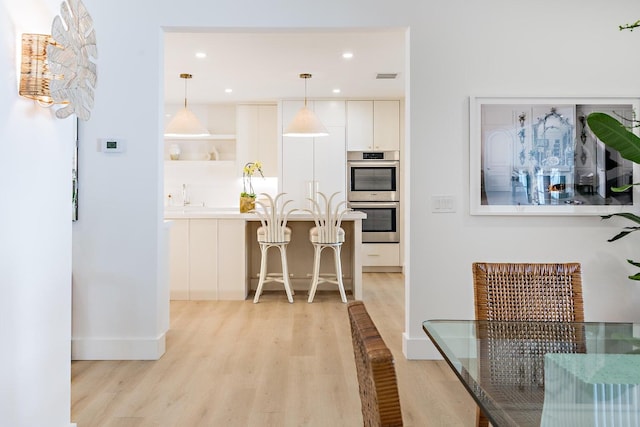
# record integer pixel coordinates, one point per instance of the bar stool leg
(285, 272)
(338, 262)
(263, 271)
(317, 252)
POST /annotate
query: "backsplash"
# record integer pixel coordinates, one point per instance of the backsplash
(216, 187)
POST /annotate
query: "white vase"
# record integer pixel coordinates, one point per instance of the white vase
(174, 152)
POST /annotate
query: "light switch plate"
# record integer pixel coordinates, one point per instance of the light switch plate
(443, 204)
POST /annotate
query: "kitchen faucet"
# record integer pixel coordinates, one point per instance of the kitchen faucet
(185, 196)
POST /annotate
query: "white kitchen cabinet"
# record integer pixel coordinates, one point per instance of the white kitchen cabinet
(179, 259)
(257, 136)
(380, 254)
(203, 259)
(386, 125)
(373, 125)
(360, 125)
(207, 259)
(314, 164)
(232, 259)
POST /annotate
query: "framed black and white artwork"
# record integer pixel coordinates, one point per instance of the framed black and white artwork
(536, 156)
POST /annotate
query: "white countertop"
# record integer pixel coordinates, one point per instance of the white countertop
(187, 212)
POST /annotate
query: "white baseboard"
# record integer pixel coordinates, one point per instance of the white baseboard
(118, 349)
(73, 425)
(419, 348)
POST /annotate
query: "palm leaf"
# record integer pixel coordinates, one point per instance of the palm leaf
(634, 263)
(620, 235)
(613, 133)
(628, 215)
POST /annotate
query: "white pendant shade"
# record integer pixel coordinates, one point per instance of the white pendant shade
(306, 124)
(185, 123)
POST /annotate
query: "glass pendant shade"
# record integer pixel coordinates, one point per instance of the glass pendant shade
(306, 124)
(185, 123)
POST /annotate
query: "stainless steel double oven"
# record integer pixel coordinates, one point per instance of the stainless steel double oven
(373, 187)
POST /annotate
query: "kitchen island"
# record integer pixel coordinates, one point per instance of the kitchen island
(214, 254)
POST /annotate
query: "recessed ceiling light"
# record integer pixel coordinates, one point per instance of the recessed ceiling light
(347, 55)
(336, 91)
(228, 90)
(201, 55)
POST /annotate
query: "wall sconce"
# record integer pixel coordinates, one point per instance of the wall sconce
(59, 68)
(35, 76)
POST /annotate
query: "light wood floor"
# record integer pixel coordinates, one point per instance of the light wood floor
(235, 363)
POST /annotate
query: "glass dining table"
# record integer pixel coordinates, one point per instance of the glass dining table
(545, 373)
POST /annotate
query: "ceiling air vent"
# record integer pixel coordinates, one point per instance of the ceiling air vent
(382, 76)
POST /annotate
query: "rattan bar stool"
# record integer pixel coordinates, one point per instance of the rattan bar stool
(273, 233)
(327, 233)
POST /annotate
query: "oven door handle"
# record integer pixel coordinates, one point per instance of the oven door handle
(364, 205)
(376, 164)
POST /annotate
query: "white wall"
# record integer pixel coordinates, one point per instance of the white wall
(116, 241)
(35, 238)
(507, 49)
(457, 49)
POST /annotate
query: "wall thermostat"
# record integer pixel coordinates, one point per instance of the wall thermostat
(110, 145)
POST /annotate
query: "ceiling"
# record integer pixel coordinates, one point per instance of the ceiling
(265, 66)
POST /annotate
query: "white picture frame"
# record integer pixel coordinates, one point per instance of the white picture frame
(536, 156)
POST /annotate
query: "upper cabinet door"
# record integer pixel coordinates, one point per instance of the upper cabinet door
(359, 125)
(330, 113)
(257, 136)
(386, 125)
(373, 125)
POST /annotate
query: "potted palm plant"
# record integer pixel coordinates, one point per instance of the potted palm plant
(616, 135)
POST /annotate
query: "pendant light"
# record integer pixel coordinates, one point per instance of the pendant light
(185, 123)
(305, 123)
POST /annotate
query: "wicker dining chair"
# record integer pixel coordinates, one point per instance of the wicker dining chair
(376, 371)
(550, 292)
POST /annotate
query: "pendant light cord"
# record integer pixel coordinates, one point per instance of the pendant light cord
(185, 93)
(185, 76)
(305, 76)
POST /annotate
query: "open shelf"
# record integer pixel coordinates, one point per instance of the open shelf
(213, 137)
(180, 163)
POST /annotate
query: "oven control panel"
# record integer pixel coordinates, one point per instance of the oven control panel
(373, 155)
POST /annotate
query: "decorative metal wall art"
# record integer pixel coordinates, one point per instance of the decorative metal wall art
(72, 58)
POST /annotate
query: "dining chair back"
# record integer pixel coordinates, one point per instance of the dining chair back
(550, 293)
(375, 369)
(525, 291)
(273, 232)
